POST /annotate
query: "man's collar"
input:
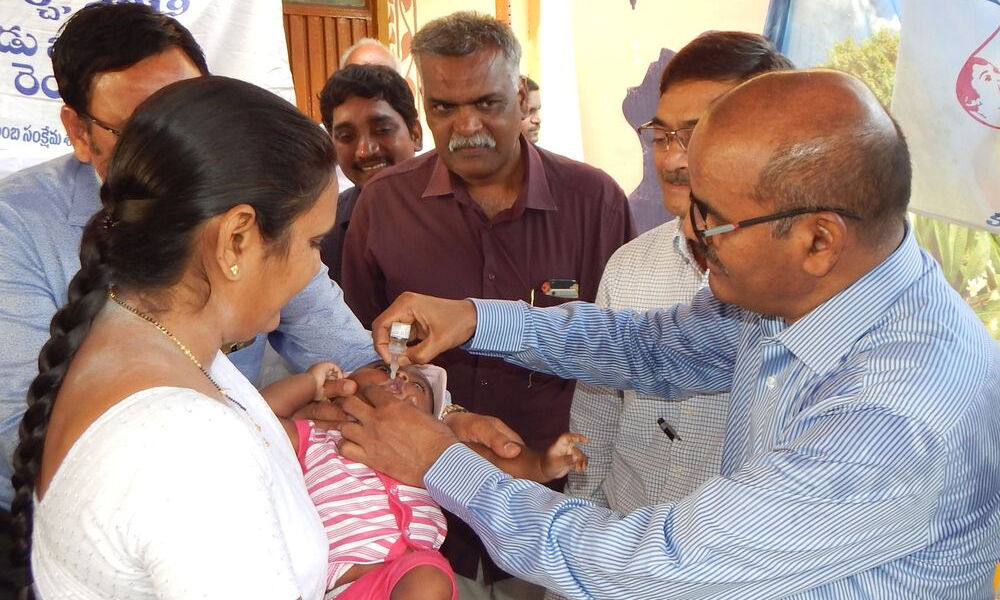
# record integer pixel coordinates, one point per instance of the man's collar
(825, 335)
(534, 193)
(440, 182)
(345, 205)
(86, 200)
(538, 194)
(682, 246)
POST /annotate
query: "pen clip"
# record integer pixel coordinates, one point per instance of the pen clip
(667, 429)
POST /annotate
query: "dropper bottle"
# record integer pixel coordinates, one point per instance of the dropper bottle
(399, 334)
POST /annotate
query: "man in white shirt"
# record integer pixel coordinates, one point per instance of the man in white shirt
(643, 449)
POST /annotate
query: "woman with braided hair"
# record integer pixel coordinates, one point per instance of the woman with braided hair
(148, 466)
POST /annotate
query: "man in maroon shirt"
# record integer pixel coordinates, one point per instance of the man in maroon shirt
(486, 215)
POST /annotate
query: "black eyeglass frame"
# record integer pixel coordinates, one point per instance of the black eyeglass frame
(671, 135)
(112, 130)
(702, 232)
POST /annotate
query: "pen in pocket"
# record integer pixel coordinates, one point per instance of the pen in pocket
(667, 429)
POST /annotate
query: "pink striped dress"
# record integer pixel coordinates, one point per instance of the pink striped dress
(369, 517)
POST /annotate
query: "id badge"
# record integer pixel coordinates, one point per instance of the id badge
(561, 288)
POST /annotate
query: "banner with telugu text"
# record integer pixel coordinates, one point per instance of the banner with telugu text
(241, 38)
(947, 100)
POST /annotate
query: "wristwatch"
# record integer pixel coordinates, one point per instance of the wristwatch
(451, 409)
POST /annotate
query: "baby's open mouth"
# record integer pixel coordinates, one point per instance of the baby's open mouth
(395, 385)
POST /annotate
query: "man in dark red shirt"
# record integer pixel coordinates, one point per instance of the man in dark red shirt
(486, 215)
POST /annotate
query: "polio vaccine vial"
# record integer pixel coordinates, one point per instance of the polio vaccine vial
(399, 334)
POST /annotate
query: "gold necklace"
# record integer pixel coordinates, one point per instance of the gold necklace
(159, 326)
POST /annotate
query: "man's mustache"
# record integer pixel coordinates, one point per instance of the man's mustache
(479, 140)
(676, 177)
(712, 258)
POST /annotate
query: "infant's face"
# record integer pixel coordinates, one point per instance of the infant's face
(409, 382)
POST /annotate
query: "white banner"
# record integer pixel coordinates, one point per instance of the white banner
(947, 100)
(243, 39)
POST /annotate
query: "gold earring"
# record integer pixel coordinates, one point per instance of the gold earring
(235, 270)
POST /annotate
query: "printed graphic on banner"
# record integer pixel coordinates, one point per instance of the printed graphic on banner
(240, 39)
(978, 84)
(947, 101)
(29, 111)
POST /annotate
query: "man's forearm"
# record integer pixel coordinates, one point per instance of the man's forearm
(316, 325)
(526, 465)
(647, 352)
(695, 547)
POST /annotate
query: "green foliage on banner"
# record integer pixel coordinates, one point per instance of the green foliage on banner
(874, 61)
(969, 258)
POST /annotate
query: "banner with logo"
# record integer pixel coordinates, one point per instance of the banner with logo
(947, 100)
(243, 39)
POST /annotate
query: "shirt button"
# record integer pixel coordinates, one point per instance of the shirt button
(491, 277)
(771, 382)
(483, 382)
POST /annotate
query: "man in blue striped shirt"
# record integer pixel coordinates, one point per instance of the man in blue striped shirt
(861, 456)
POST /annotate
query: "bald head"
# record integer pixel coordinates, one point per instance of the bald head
(811, 138)
(368, 51)
(803, 104)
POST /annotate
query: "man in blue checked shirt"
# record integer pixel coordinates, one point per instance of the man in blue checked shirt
(861, 456)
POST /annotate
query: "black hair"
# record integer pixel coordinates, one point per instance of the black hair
(190, 152)
(368, 81)
(723, 56)
(862, 169)
(466, 32)
(112, 37)
(847, 152)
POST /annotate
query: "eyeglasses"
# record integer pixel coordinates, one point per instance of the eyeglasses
(698, 210)
(659, 138)
(113, 131)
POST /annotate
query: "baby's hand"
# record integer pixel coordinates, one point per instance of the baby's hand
(564, 456)
(324, 372)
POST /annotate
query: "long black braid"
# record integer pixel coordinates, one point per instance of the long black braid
(190, 152)
(68, 329)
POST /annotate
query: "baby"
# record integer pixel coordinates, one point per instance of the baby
(384, 535)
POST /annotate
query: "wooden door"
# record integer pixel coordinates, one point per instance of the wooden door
(317, 34)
